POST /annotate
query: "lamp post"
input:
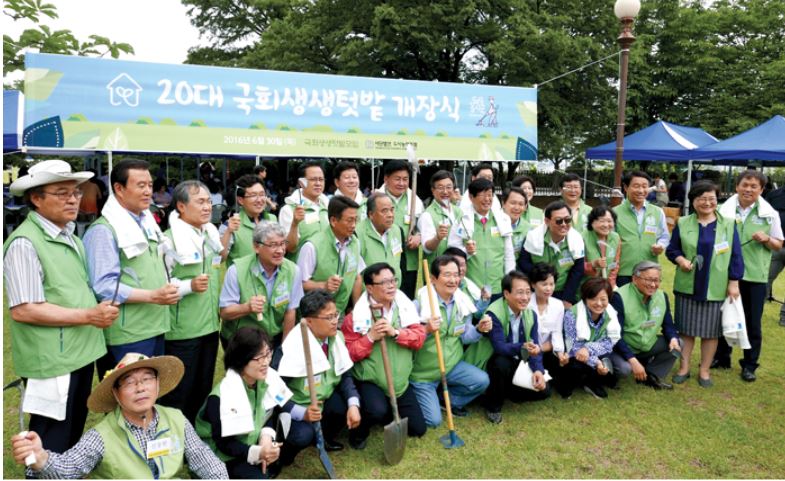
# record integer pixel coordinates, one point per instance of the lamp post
(625, 11)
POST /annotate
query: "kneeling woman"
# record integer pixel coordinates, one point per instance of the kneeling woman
(237, 419)
(591, 328)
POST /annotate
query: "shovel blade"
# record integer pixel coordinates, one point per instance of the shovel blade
(451, 440)
(323, 457)
(395, 440)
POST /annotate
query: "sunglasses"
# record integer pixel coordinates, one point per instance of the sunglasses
(562, 221)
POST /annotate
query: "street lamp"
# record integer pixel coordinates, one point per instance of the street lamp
(626, 11)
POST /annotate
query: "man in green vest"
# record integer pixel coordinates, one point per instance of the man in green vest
(237, 231)
(558, 244)
(331, 259)
(383, 314)
(397, 173)
(196, 262)
(125, 250)
(514, 204)
(483, 170)
(346, 177)
(480, 299)
(380, 239)
(434, 224)
(641, 225)
(262, 290)
(649, 343)
(304, 213)
(137, 439)
(55, 324)
(337, 397)
(486, 236)
(760, 233)
(571, 192)
(454, 324)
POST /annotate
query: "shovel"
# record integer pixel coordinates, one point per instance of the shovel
(603, 249)
(450, 440)
(394, 433)
(30, 459)
(317, 426)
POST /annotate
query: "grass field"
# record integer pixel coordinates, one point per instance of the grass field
(734, 430)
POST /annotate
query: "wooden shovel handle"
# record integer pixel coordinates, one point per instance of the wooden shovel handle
(439, 354)
(308, 363)
(387, 372)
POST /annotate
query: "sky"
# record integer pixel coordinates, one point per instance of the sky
(158, 30)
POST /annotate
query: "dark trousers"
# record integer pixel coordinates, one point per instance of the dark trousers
(240, 469)
(149, 347)
(501, 370)
(198, 356)
(409, 282)
(302, 434)
(60, 436)
(753, 295)
(658, 360)
(623, 280)
(551, 363)
(376, 409)
(577, 374)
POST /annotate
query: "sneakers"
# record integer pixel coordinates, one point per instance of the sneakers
(597, 391)
(494, 418)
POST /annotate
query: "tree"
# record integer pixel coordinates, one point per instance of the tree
(43, 39)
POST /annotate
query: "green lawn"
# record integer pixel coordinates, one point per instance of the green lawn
(735, 430)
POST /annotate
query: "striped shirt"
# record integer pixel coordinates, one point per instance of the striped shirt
(24, 275)
(80, 460)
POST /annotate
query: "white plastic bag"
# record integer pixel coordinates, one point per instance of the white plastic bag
(523, 376)
(734, 326)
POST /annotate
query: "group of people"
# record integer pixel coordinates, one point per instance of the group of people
(524, 301)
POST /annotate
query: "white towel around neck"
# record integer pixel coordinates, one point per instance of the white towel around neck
(535, 242)
(583, 332)
(502, 221)
(361, 314)
(130, 238)
(463, 302)
(765, 210)
(293, 360)
(236, 412)
(188, 240)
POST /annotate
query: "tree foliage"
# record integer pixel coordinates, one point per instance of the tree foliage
(45, 40)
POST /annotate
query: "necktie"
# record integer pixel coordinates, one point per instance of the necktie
(324, 348)
(483, 221)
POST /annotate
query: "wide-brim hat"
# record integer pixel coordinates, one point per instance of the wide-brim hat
(47, 172)
(169, 368)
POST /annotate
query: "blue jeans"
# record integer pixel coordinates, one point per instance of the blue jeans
(465, 382)
(149, 347)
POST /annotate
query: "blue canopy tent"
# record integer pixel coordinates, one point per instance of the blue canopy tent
(13, 124)
(765, 143)
(661, 141)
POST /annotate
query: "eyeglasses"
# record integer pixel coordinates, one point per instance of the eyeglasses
(332, 317)
(449, 275)
(443, 188)
(264, 358)
(276, 245)
(562, 221)
(131, 383)
(385, 282)
(706, 200)
(64, 196)
(571, 187)
(649, 280)
(315, 180)
(255, 196)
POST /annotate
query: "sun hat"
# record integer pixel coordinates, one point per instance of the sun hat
(169, 368)
(47, 172)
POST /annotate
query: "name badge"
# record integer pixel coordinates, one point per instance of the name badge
(459, 329)
(650, 229)
(494, 232)
(757, 220)
(159, 447)
(721, 248)
(566, 261)
(397, 249)
(362, 326)
(407, 219)
(281, 300)
(311, 217)
(317, 381)
(216, 263)
(648, 324)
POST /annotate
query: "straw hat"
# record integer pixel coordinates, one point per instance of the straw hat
(47, 172)
(169, 368)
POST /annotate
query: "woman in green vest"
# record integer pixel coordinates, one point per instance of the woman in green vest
(591, 328)
(706, 250)
(602, 244)
(137, 439)
(514, 204)
(533, 215)
(237, 419)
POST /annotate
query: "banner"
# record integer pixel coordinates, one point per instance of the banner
(126, 106)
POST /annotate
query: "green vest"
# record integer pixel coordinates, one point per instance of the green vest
(242, 244)
(642, 322)
(562, 261)
(371, 368)
(596, 333)
(486, 266)
(757, 257)
(519, 236)
(41, 352)
(426, 362)
(328, 263)
(402, 209)
(720, 258)
(580, 217)
(373, 249)
(251, 283)
(437, 215)
(325, 382)
(124, 458)
(533, 215)
(636, 243)
(592, 249)
(316, 220)
(139, 321)
(196, 314)
(255, 395)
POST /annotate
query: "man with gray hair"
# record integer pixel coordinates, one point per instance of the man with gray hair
(262, 290)
(649, 344)
(195, 263)
(380, 239)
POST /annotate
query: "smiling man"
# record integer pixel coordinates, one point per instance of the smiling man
(380, 239)
(304, 213)
(237, 231)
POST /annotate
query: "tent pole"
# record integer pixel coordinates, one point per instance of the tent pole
(687, 188)
(463, 181)
(109, 161)
(258, 160)
(585, 176)
(373, 177)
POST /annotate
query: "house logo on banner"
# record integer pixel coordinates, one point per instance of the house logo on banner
(124, 90)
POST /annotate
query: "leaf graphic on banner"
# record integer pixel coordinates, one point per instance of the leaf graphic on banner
(116, 140)
(84, 140)
(528, 113)
(40, 82)
(486, 153)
